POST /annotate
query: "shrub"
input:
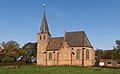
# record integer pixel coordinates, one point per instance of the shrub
(8, 59)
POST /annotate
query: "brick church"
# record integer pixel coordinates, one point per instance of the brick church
(72, 49)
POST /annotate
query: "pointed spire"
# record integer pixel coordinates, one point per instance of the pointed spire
(44, 25)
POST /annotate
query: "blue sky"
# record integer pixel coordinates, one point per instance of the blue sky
(20, 19)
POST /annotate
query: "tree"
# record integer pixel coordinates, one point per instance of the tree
(116, 51)
(118, 44)
(8, 59)
(1, 53)
(11, 50)
(29, 51)
(98, 53)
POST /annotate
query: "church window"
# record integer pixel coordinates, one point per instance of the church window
(77, 54)
(87, 54)
(50, 55)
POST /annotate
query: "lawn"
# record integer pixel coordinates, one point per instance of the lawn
(56, 70)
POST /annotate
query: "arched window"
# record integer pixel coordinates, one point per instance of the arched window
(87, 54)
(40, 37)
(77, 54)
(50, 55)
(44, 37)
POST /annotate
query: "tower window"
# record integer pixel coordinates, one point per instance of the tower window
(44, 37)
(40, 37)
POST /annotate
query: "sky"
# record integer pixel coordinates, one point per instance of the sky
(20, 20)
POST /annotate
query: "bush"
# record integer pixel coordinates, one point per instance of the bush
(8, 59)
(1, 57)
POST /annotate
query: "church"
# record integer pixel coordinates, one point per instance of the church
(72, 49)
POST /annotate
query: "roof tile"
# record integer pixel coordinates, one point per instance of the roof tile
(55, 43)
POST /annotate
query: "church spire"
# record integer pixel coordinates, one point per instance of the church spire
(44, 25)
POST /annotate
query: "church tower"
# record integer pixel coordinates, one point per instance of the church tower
(43, 38)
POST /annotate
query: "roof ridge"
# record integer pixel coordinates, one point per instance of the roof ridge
(74, 31)
(57, 37)
(107, 50)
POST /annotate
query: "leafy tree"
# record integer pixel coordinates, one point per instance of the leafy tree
(118, 44)
(116, 51)
(8, 59)
(1, 53)
(29, 50)
(98, 53)
(11, 50)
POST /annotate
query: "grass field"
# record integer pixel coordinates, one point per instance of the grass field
(56, 70)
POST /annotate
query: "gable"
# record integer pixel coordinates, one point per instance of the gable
(65, 52)
(86, 41)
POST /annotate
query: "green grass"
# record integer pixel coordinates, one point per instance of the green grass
(56, 70)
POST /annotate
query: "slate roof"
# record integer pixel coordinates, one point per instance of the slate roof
(77, 39)
(106, 54)
(55, 43)
(44, 25)
(73, 39)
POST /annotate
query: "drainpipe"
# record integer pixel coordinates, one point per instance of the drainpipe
(54, 57)
(71, 58)
(57, 57)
